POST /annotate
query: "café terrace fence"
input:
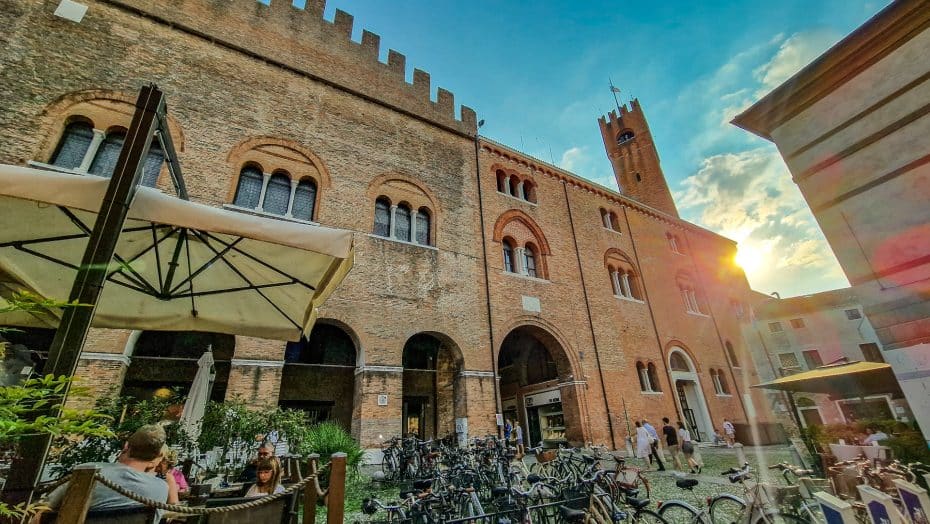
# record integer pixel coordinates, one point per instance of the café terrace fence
(283, 507)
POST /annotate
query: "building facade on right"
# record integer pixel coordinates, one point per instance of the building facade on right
(803, 333)
(852, 127)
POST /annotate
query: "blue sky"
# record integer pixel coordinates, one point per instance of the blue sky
(537, 73)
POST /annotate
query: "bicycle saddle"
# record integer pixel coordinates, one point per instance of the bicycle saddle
(369, 507)
(637, 503)
(572, 515)
(422, 484)
(686, 483)
(803, 472)
(618, 516)
(499, 491)
(738, 477)
(533, 478)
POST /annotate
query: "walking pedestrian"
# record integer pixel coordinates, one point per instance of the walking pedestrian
(643, 442)
(671, 441)
(654, 446)
(518, 432)
(687, 447)
(508, 428)
(729, 432)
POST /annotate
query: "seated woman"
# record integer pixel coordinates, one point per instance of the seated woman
(268, 478)
(167, 467)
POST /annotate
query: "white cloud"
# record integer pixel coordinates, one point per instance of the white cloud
(749, 196)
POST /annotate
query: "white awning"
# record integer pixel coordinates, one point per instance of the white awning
(178, 266)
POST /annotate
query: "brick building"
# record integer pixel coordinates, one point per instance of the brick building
(473, 260)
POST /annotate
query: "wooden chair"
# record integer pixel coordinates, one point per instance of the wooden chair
(128, 515)
(282, 511)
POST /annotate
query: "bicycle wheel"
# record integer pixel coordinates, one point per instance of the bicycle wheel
(679, 512)
(647, 516)
(726, 509)
(775, 517)
(389, 466)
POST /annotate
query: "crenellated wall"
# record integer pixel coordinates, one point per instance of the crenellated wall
(303, 41)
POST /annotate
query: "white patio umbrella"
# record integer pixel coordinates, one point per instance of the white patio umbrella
(196, 403)
(179, 265)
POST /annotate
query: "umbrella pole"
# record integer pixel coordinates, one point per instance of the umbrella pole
(65, 350)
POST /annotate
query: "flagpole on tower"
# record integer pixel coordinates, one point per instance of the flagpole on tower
(614, 90)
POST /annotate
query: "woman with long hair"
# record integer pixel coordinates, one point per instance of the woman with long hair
(268, 478)
(687, 447)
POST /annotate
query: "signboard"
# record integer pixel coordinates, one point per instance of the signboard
(543, 399)
(500, 419)
(382, 400)
(880, 506)
(835, 510)
(915, 501)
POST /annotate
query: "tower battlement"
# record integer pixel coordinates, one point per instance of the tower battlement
(633, 156)
(302, 39)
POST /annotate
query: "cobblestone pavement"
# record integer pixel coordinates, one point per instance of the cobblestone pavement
(711, 482)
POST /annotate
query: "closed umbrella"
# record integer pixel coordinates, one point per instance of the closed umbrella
(199, 395)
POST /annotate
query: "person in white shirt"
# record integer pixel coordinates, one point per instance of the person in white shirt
(729, 432)
(874, 436)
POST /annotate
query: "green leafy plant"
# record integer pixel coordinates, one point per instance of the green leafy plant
(327, 438)
(125, 415)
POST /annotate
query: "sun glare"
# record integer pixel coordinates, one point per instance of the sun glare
(748, 257)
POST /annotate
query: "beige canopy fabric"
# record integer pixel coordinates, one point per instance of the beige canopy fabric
(178, 265)
(848, 380)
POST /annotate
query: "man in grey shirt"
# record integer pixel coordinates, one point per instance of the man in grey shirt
(133, 471)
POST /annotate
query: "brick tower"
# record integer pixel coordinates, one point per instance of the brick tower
(633, 155)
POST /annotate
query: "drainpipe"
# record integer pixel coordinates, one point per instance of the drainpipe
(584, 289)
(487, 279)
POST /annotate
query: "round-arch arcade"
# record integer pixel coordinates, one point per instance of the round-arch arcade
(538, 386)
(433, 394)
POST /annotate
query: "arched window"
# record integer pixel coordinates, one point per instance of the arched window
(605, 218)
(724, 389)
(382, 217)
(614, 280)
(249, 189)
(529, 191)
(502, 185)
(73, 145)
(653, 377)
(107, 154)
(643, 375)
(304, 199)
(689, 295)
(508, 256)
(529, 259)
(402, 226)
(625, 137)
(614, 221)
(731, 354)
(423, 227)
(677, 362)
(153, 162)
(512, 190)
(674, 243)
(277, 194)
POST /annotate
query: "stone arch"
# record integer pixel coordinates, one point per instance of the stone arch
(400, 188)
(433, 394)
(168, 359)
(275, 154)
(58, 114)
(318, 375)
(688, 391)
(520, 216)
(540, 386)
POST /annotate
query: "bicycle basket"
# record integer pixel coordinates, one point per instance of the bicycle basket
(545, 456)
(785, 497)
(809, 486)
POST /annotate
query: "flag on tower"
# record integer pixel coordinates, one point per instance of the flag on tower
(614, 89)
